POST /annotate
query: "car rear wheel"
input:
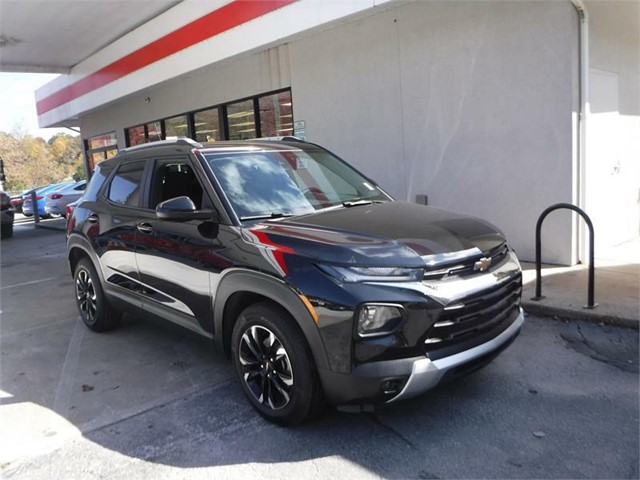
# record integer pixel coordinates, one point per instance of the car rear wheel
(274, 365)
(94, 308)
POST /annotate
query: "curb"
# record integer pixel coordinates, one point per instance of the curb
(592, 316)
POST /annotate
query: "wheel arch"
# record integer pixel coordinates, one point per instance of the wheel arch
(240, 289)
(78, 248)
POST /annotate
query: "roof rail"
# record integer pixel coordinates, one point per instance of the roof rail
(286, 138)
(178, 141)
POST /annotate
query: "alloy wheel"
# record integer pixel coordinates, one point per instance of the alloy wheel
(86, 295)
(266, 367)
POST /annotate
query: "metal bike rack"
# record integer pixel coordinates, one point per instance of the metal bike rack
(590, 292)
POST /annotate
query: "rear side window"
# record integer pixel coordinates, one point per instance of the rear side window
(126, 184)
(95, 184)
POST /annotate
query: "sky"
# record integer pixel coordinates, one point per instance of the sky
(18, 104)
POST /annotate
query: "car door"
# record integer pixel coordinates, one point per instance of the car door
(111, 227)
(177, 259)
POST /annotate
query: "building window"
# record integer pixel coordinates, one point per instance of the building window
(100, 148)
(276, 114)
(135, 136)
(207, 125)
(266, 115)
(154, 131)
(241, 120)
(176, 127)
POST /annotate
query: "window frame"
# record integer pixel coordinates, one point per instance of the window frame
(89, 152)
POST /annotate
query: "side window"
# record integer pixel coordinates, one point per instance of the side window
(97, 180)
(175, 178)
(126, 184)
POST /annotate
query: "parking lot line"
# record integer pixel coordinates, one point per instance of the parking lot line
(27, 283)
(68, 375)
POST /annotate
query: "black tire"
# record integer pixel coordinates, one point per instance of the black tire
(93, 305)
(6, 230)
(266, 366)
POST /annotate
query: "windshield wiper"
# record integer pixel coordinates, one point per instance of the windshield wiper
(266, 215)
(362, 201)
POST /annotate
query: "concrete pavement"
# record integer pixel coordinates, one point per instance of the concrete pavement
(561, 402)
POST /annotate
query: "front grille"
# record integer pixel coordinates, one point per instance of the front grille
(475, 317)
(467, 267)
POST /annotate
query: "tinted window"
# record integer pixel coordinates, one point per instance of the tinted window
(125, 186)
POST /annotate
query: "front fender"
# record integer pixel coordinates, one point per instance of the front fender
(238, 280)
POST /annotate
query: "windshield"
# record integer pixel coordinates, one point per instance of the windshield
(273, 183)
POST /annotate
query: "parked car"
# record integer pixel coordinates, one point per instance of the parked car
(27, 207)
(16, 201)
(56, 202)
(315, 282)
(6, 215)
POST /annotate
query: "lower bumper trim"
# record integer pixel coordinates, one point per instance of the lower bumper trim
(427, 373)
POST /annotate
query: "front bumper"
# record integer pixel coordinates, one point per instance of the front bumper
(416, 375)
(427, 373)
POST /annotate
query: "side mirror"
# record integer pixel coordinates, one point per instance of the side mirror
(182, 208)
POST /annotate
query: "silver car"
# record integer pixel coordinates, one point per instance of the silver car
(56, 201)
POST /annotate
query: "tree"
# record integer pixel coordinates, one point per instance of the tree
(33, 162)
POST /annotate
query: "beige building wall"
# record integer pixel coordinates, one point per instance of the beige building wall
(471, 103)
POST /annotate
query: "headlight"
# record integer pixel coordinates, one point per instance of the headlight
(378, 319)
(373, 274)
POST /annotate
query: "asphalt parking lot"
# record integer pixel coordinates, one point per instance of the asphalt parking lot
(149, 400)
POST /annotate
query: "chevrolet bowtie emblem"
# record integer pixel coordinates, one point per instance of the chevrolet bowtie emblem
(482, 264)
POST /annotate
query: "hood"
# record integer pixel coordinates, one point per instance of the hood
(380, 234)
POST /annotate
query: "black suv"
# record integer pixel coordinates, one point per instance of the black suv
(318, 285)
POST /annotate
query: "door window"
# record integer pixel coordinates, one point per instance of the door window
(126, 183)
(176, 178)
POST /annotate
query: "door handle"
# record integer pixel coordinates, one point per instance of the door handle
(145, 228)
(93, 218)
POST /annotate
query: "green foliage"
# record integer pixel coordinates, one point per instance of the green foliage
(32, 161)
(80, 173)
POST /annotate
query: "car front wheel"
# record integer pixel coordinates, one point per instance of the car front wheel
(274, 365)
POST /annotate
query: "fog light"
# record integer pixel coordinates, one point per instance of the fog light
(392, 386)
(378, 319)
